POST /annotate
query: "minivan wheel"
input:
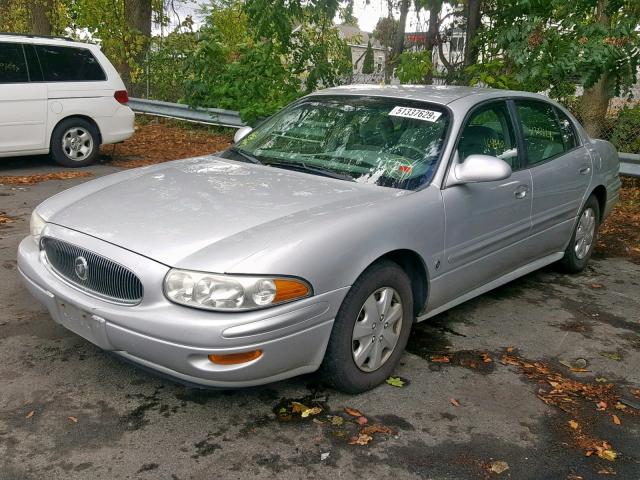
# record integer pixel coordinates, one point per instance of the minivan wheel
(371, 329)
(583, 240)
(75, 143)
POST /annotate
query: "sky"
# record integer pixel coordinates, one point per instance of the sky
(367, 12)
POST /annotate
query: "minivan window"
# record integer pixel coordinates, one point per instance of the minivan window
(35, 72)
(542, 135)
(68, 64)
(13, 66)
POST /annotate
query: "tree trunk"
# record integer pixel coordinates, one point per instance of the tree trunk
(473, 24)
(432, 34)
(594, 105)
(398, 43)
(595, 100)
(138, 17)
(41, 17)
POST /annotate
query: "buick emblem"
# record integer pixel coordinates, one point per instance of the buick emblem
(81, 268)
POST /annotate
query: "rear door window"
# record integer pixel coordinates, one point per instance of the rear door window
(569, 136)
(68, 64)
(13, 65)
(543, 138)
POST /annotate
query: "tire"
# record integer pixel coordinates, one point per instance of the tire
(576, 258)
(75, 142)
(382, 280)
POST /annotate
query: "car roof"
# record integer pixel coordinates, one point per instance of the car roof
(439, 94)
(45, 40)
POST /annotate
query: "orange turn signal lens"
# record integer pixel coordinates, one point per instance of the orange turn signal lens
(289, 290)
(235, 358)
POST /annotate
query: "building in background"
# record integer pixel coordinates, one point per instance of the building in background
(357, 41)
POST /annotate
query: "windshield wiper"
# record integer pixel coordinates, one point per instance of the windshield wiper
(245, 155)
(303, 167)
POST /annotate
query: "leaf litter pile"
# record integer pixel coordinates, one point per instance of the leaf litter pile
(161, 141)
(42, 177)
(619, 235)
(349, 424)
(577, 400)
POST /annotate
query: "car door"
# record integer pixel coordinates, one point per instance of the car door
(487, 223)
(23, 104)
(561, 171)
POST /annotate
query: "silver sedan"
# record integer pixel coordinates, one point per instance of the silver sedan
(321, 236)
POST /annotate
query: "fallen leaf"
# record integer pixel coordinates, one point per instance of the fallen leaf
(596, 285)
(499, 466)
(612, 356)
(510, 349)
(361, 439)
(620, 406)
(635, 392)
(395, 382)
(607, 454)
(362, 420)
(310, 411)
(30, 414)
(601, 379)
(353, 412)
(454, 402)
(371, 429)
(439, 359)
(579, 370)
(601, 405)
(336, 420)
(73, 419)
(573, 424)
(615, 419)
(486, 358)
(297, 407)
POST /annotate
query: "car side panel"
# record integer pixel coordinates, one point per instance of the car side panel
(23, 117)
(559, 191)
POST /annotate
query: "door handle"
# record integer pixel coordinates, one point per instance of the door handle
(521, 191)
(585, 170)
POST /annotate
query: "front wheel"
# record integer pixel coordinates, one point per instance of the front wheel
(583, 240)
(371, 329)
(75, 143)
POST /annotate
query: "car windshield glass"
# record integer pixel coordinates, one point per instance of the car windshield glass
(383, 141)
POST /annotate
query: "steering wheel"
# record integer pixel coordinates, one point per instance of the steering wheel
(395, 149)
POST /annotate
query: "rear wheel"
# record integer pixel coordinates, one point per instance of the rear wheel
(75, 143)
(371, 329)
(583, 240)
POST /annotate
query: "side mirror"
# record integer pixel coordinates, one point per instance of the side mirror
(241, 133)
(481, 168)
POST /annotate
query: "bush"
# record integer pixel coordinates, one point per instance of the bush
(626, 132)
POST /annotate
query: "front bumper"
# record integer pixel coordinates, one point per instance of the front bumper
(176, 340)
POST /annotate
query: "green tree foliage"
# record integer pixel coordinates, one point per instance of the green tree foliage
(413, 67)
(368, 63)
(625, 134)
(555, 45)
(256, 56)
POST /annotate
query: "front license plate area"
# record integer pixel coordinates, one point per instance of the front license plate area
(87, 325)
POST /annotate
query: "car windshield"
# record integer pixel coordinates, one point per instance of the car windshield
(383, 141)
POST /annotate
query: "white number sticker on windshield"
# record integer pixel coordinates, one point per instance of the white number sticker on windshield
(417, 113)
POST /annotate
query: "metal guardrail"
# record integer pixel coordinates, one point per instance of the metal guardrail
(629, 162)
(210, 116)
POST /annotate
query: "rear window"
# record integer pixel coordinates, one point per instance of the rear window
(13, 66)
(68, 64)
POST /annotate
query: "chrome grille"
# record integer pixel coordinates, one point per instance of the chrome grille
(92, 273)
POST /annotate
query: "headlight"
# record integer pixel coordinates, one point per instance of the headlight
(36, 225)
(212, 291)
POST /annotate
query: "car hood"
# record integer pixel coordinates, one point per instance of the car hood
(172, 211)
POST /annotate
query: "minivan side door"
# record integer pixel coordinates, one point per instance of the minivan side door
(487, 223)
(23, 103)
(561, 171)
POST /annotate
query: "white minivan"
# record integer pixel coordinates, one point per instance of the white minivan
(59, 97)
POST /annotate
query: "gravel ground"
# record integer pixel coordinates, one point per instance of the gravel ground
(505, 398)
